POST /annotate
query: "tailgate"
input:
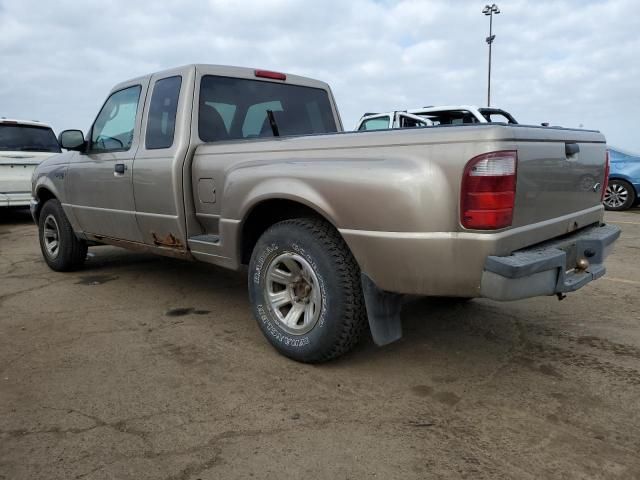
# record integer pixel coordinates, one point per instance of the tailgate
(560, 172)
(15, 172)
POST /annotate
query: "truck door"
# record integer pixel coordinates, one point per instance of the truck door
(158, 167)
(99, 181)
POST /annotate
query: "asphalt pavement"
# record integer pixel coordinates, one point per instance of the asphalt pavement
(141, 367)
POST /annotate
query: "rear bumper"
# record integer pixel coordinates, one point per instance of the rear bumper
(15, 199)
(551, 267)
(450, 264)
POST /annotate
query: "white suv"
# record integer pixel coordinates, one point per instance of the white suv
(23, 145)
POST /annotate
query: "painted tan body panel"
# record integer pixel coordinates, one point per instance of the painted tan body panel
(393, 195)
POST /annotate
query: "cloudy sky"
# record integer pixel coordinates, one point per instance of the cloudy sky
(570, 63)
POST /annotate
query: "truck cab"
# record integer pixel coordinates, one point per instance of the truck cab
(130, 180)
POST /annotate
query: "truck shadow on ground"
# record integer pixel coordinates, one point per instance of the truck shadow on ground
(453, 337)
(14, 215)
(429, 324)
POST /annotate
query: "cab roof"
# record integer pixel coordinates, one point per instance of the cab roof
(229, 71)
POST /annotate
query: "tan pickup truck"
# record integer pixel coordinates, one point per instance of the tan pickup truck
(235, 166)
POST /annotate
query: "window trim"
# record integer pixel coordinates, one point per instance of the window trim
(148, 113)
(90, 133)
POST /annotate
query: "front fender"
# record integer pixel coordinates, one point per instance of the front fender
(634, 181)
(48, 182)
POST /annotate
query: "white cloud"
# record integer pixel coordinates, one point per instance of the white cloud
(569, 62)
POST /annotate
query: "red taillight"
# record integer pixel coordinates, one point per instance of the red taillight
(605, 182)
(270, 74)
(488, 191)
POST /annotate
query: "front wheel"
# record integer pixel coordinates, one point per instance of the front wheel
(620, 195)
(305, 290)
(61, 249)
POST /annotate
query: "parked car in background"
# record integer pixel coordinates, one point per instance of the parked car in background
(23, 145)
(624, 180)
(442, 115)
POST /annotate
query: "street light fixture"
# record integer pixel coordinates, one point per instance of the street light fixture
(490, 10)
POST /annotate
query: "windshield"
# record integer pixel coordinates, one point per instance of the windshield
(28, 138)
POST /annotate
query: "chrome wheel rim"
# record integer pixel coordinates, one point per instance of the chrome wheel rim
(293, 293)
(51, 236)
(616, 195)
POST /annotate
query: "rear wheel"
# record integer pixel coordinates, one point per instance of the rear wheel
(620, 195)
(61, 249)
(305, 290)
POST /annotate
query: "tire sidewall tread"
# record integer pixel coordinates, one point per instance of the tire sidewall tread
(342, 313)
(71, 251)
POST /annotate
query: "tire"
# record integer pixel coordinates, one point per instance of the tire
(306, 259)
(620, 195)
(60, 247)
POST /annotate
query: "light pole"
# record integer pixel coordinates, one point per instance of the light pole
(489, 10)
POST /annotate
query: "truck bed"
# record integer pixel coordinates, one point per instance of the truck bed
(394, 195)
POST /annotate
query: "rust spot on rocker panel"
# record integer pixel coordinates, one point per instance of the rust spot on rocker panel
(169, 241)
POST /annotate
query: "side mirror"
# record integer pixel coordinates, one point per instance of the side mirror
(71, 140)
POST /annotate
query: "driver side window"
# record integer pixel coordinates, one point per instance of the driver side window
(114, 126)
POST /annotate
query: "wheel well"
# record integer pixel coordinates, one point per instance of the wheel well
(44, 195)
(265, 214)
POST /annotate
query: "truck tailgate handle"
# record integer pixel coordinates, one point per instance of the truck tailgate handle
(570, 149)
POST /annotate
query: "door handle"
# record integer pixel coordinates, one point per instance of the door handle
(119, 169)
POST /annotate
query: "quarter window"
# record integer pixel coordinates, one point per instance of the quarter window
(161, 124)
(115, 124)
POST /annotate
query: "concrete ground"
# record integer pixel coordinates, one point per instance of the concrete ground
(140, 367)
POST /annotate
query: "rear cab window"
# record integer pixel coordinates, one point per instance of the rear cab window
(237, 108)
(27, 138)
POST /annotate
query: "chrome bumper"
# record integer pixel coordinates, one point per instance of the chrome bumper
(15, 199)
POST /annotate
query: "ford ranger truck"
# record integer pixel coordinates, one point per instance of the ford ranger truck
(247, 168)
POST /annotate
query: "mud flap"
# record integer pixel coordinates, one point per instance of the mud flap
(383, 311)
